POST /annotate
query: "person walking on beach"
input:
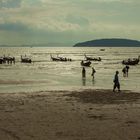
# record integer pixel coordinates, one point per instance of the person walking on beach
(116, 82)
(93, 72)
(83, 73)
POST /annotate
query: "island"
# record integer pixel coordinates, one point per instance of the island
(111, 42)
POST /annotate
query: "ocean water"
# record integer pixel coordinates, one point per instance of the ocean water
(45, 75)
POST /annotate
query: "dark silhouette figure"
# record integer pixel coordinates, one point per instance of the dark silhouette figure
(93, 72)
(83, 73)
(116, 82)
(127, 69)
(82, 62)
(14, 60)
(124, 71)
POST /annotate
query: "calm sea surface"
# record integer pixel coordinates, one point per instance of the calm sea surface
(44, 74)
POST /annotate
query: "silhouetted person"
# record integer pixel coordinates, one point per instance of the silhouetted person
(124, 71)
(83, 72)
(116, 82)
(82, 62)
(93, 72)
(14, 60)
(127, 69)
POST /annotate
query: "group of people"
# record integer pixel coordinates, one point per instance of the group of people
(116, 77)
(84, 72)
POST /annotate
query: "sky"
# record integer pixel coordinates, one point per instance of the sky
(66, 22)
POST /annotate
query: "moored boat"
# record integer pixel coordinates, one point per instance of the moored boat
(55, 58)
(86, 63)
(133, 61)
(7, 59)
(60, 58)
(93, 59)
(25, 59)
(102, 49)
(1, 60)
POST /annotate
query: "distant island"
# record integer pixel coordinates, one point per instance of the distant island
(112, 42)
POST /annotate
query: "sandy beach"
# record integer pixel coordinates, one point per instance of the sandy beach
(70, 115)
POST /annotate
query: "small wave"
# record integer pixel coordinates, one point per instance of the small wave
(12, 82)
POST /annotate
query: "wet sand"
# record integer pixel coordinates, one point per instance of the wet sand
(70, 115)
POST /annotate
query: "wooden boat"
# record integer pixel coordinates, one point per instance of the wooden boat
(1, 60)
(133, 61)
(25, 59)
(86, 63)
(60, 58)
(7, 59)
(55, 58)
(93, 59)
(102, 49)
(130, 62)
(63, 59)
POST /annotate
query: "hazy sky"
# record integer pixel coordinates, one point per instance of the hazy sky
(67, 21)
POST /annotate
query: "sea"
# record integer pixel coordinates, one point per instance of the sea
(43, 74)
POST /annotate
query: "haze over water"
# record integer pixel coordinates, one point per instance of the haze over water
(44, 74)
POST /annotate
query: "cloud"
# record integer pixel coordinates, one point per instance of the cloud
(30, 3)
(13, 27)
(69, 20)
(107, 1)
(74, 19)
(10, 3)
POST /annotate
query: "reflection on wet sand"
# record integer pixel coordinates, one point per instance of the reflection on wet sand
(93, 81)
(84, 81)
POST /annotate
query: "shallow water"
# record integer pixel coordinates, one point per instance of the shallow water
(44, 74)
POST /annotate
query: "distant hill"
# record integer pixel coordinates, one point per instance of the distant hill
(113, 42)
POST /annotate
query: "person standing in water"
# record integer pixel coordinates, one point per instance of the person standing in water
(116, 82)
(127, 69)
(83, 73)
(124, 71)
(93, 72)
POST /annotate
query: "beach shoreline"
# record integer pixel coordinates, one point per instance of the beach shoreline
(70, 115)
